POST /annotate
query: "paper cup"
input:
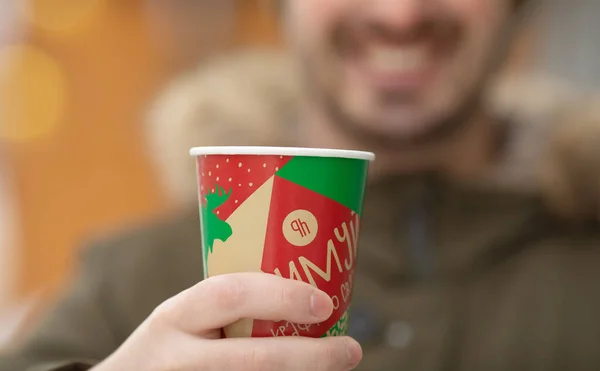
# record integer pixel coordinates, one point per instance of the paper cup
(293, 212)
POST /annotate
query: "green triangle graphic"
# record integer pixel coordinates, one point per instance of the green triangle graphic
(341, 179)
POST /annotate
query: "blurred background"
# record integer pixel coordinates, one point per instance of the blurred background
(76, 79)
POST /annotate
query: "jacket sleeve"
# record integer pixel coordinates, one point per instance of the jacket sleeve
(78, 331)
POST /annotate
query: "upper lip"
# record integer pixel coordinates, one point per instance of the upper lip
(397, 58)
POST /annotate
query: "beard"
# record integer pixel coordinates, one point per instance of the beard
(443, 127)
(437, 130)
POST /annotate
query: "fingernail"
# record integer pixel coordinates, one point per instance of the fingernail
(354, 352)
(320, 305)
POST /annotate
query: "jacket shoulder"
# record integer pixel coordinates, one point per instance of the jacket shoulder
(148, 263)
(558, 137)
(118, 283)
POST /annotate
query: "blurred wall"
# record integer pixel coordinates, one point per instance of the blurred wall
(74, 87)
(570, 47)
(7, 238)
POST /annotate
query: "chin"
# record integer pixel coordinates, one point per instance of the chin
(403, 127)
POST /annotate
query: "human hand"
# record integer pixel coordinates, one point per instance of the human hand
(183, 333)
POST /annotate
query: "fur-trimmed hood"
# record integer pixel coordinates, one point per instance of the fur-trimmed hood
(243, 99)
(238, 99)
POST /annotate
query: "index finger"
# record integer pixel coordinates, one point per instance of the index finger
(222, 300)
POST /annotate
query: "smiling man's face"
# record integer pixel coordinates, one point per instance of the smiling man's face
(398, 71)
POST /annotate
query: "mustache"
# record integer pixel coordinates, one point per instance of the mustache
(351, 35)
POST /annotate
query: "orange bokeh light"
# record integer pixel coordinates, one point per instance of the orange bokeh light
(63, 17)
(32, 93)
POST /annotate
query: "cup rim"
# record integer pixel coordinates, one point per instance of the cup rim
(281, 151)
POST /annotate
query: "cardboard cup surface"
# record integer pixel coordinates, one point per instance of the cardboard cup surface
(293, 212)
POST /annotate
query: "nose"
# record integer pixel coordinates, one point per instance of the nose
(395, 15)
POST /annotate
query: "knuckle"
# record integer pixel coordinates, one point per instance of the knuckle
(256, 359)
(328, 354)
(287, 295)
(159, 318)
(228, 292)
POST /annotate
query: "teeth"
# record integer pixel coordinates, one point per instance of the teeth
(399, 59)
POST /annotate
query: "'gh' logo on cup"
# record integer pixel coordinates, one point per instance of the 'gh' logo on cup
(300, 227)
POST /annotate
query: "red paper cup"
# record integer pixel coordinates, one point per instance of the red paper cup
(293, 212)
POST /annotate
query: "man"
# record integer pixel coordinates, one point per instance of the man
(464, 262)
